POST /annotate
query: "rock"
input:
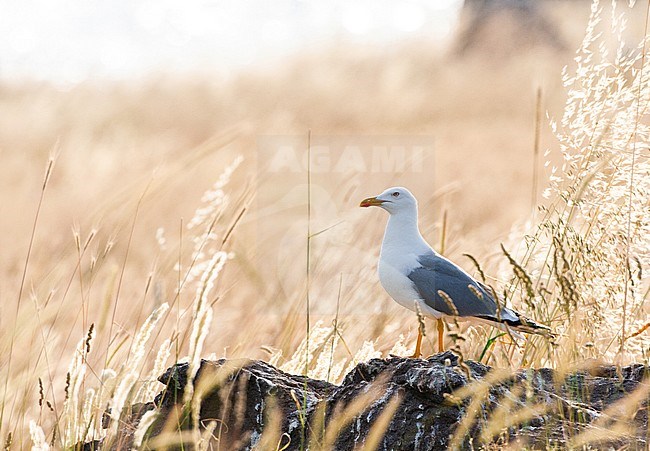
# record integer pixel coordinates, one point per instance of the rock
(253, 404)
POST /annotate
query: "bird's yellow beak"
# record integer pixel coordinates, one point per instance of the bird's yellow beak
(371, 202)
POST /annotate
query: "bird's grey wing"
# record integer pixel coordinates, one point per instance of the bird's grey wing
(437, 274)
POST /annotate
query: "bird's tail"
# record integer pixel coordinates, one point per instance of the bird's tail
(528, 326)
(515, 323)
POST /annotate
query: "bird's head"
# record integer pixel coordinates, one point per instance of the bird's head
(393, 200)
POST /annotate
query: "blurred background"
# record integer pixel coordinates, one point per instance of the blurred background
(69, 42)
(145, 103)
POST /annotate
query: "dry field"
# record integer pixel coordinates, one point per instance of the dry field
(121, 225)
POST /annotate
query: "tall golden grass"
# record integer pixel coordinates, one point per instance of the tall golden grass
(112, 268)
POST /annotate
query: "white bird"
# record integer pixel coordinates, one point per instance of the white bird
(414, 274)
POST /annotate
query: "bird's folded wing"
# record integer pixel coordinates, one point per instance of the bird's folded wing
(448, 289)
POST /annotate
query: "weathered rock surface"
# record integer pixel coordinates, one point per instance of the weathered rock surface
(254, 404)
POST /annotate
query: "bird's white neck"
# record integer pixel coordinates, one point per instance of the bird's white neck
(402, 233)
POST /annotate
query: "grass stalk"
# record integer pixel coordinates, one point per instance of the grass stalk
(631, 188)
(48, 172)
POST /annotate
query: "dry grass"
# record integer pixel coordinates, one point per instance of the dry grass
(121, 233)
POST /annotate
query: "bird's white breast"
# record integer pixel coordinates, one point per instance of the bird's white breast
(393, 277)
(399, 256)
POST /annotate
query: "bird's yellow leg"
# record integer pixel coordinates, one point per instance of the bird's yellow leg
(441, 332)
(418, 346)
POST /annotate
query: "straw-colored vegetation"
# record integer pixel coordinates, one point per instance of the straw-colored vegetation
(113, 267)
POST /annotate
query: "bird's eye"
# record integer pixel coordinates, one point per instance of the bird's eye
(395, 194)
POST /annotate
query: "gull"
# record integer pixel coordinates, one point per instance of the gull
(420, 279)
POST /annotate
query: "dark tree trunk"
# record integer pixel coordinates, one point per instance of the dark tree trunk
(505, 26)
